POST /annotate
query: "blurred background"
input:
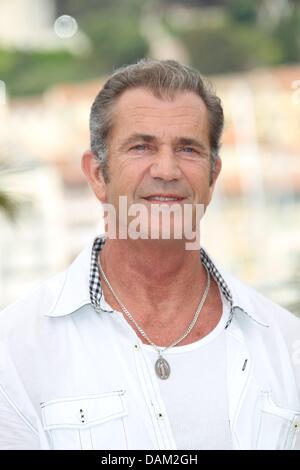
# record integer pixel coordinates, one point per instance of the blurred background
(54, 58)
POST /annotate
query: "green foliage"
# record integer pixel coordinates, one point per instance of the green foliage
(115, 39)
(10, 203)
(219, 49)
(236, 40)
(227, 38)
(287, 33)
(32, 72)
(243, 11)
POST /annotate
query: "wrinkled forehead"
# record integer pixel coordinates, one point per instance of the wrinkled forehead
(139, 110)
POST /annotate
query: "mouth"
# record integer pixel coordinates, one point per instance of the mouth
(164, 198)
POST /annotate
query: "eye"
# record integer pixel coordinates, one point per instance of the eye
(188, 150)
(140, 147)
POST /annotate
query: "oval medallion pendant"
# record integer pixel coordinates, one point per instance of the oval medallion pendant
(162, 368)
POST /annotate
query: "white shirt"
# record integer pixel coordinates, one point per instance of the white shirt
(71, 378)
(195, 394)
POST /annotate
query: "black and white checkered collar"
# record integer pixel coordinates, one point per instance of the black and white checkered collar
(96, 293)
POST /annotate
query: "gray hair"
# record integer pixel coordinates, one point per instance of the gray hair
(164, 78)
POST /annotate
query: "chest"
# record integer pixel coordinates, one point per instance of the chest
(102, 393)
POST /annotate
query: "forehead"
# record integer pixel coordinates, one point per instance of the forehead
(138, 110)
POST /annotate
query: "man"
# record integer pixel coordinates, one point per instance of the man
(143, 343)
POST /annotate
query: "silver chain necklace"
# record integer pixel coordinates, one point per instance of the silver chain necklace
(162, 367)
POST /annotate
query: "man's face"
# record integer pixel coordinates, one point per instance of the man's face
(159, 149)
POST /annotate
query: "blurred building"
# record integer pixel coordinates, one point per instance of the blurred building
(29, 24)
(47, 137)
(24, 22)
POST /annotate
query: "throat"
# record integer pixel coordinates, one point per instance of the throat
(154, 265)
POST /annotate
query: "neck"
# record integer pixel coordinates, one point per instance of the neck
(161, 284)
(157, 267)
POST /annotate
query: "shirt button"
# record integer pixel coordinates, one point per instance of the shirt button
(82, 418)
(136, 346)
(160, 415)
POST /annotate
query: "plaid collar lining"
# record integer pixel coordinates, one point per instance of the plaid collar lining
(96, 293)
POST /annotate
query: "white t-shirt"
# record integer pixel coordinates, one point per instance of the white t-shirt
(195, 394)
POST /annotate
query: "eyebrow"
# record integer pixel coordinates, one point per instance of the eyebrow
(135, 137)
(151, 138)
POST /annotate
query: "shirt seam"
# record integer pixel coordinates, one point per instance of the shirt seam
(19, 413)
(150, 404)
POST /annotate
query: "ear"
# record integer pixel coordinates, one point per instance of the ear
(91, 167)
(214, 175)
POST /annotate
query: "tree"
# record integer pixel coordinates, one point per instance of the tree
(10, 204)
(7, 205)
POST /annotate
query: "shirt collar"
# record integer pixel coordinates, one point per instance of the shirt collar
(80, 285)
(69, 291)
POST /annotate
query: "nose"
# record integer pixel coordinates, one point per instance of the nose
(165, 166)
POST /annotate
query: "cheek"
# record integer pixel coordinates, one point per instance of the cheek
(198, 179)
(127, 168)
(134, 176)
(120, 185)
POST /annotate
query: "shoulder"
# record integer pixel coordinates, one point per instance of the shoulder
(264, 310)
(250, 300)
(31, 306)
(281, 339)
(61, 294)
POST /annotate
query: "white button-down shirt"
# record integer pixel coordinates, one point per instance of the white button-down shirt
(71, 378)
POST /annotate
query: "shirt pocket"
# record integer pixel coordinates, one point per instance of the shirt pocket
(93, 422)
(279, 427)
